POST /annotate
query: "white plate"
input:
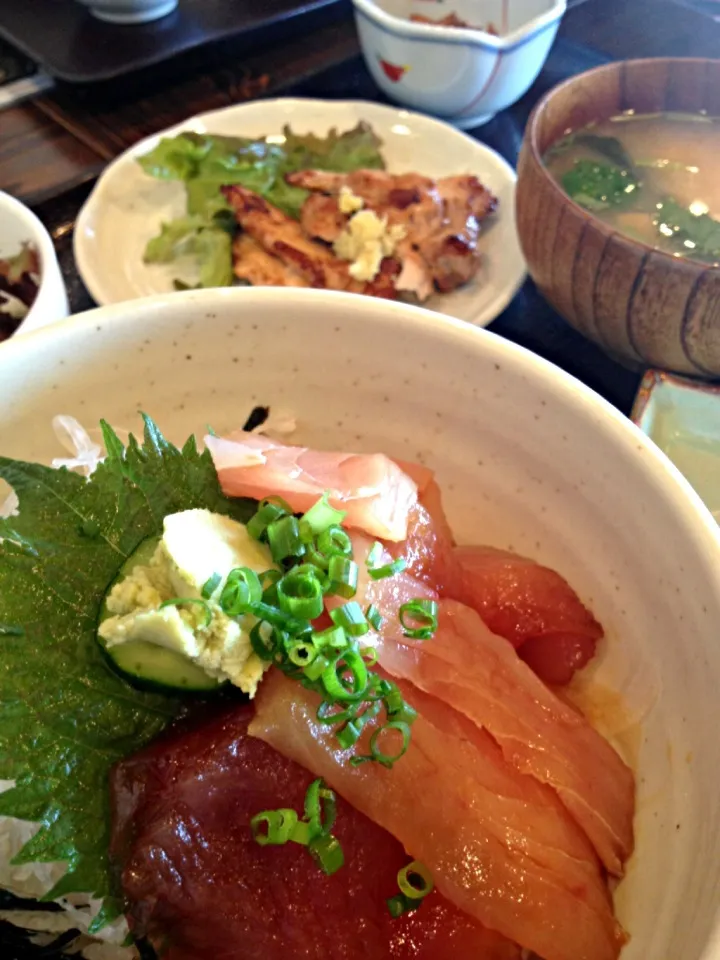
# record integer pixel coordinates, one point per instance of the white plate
(127, 206)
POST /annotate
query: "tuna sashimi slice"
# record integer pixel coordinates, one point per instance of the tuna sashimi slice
(198, 883)
(530, 605)
(428, 546)
(376, 493)
(500, 846)
(479, 673)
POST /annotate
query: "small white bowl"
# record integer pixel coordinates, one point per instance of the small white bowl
(464, 75)
(18, 225)
(130, 11)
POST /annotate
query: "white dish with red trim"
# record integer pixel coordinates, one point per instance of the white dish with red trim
(127, 207)
(463, 75)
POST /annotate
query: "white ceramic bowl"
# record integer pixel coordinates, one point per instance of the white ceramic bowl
(19, 225)
(527, 458)
(130, 11)
(464, 76)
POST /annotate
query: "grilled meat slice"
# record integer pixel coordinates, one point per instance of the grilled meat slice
(442, 220)
(253, 263)
(285, 239)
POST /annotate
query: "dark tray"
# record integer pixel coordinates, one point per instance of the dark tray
(73, 45)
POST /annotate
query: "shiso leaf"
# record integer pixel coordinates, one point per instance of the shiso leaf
(65, 716)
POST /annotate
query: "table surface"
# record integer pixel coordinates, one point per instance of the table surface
(52, 149)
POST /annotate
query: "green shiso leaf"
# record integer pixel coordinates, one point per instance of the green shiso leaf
(65, 717)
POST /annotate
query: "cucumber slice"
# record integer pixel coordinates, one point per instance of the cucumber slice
(153, 667)
(147, 665)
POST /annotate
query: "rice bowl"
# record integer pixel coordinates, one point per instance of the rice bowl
(530, 460)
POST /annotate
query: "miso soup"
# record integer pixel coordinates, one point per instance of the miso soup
(652, 177)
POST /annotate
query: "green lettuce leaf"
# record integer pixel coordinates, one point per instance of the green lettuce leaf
(214, 252)
(65, 717)
(176, 158)
(174, 238)
(207, 239)
(355, 149)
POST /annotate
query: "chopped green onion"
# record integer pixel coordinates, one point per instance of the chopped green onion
(376, 552)
(334, 542)
(373, 617)
(267, 513)
(317, 559)
(319, 517)
(351, 618)
(270, 577)
(419, 619)
(370, 656)
(378, 687)
(278, 618)
(333, 637)
(348, 735)
(386, 759)
(182, 601)
(406, 714)
(327, 853)
(242, 589)
(388, 569)
(312, 800)
(340, 714)
(273, 827)
(314, 671)
(301, 654)
(210, 586)
(300, 593)
(284, 539)
(400, 904)
(262, 640)
(343, 577)
(415, 880)
(277, 501)
(347, 678)
(303, 833)
(393, 699)
(320, 807)
(311, 570)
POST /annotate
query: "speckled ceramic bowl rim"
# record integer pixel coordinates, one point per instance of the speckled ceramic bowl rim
(531, 139)
(465, 36)
(657, 468)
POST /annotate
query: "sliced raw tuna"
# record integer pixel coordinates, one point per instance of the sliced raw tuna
(200, 886)
(372, 488)
(530, 605)
(479, 673)
(499, 844)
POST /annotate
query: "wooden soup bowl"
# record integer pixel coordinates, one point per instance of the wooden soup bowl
(644, 306)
